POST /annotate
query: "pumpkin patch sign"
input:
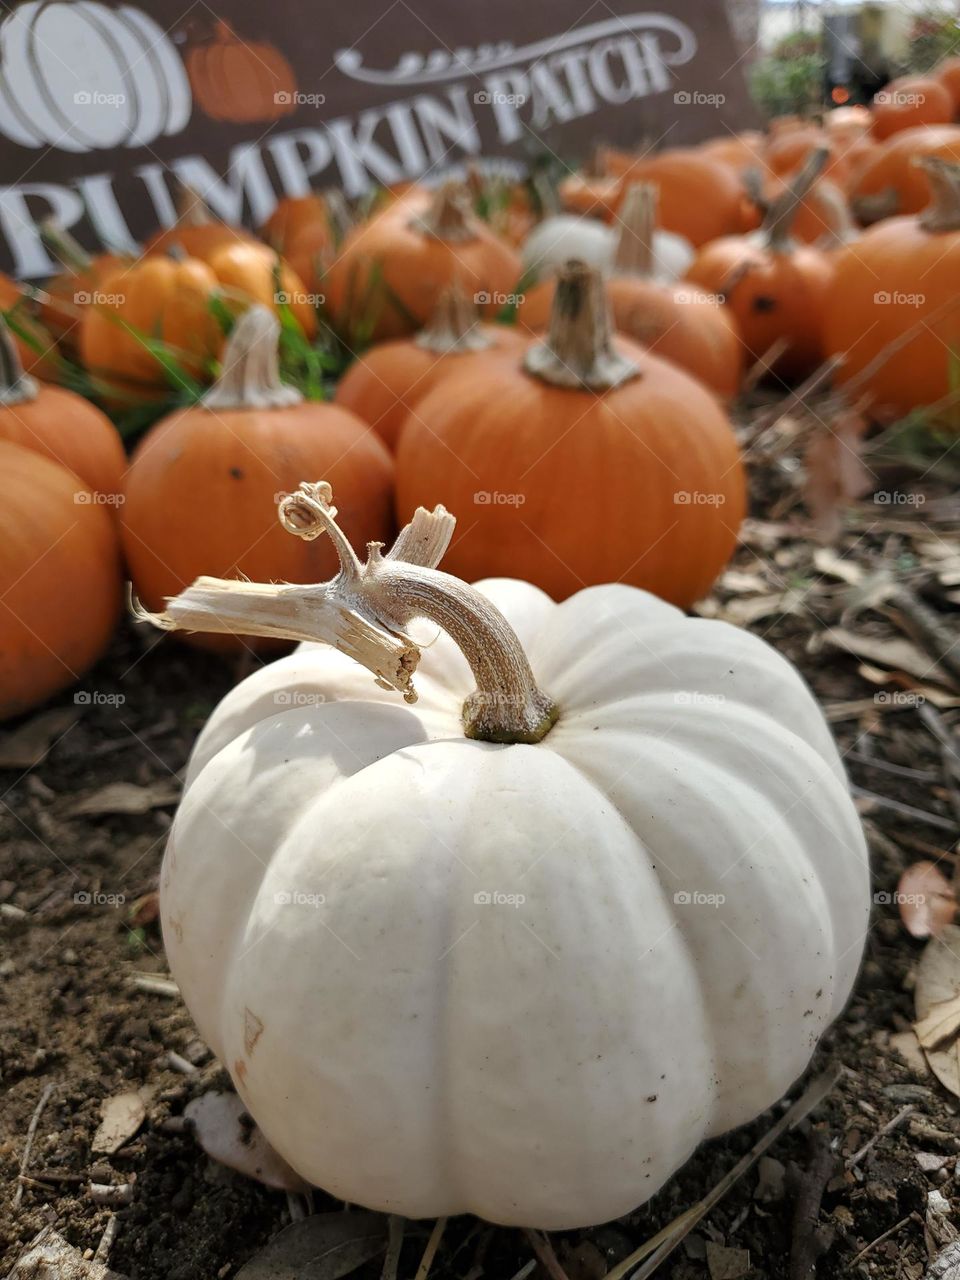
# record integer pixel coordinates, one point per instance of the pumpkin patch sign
(105, 106)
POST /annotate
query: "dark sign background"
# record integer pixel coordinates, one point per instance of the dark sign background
(102, 107)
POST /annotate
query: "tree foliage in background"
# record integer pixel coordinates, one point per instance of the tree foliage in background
(789, 80)
(934, 35)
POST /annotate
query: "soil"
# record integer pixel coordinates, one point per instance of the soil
(72, 1017)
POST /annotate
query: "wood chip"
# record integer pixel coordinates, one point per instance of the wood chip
(926, 901)
(126, 797)
(26, 746)
(121, 1117)
(49, 1257)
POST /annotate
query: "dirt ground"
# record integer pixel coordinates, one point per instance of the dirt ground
(72, 1015)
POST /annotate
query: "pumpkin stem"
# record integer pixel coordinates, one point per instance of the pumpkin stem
(250, 373)
(638, 221)
(363, 610)
(842, 227)
(943, 211)
(192, 209)
(448, 217)
(454, 325)
(778, 223)
(876, 207)
(338, 213)
(16, 387)
(65, 248)
(578, 351)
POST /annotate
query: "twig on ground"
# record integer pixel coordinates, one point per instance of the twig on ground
(852, 1161)
(106, 1240)
(28, 1144)
(809, 1239)
(429, 1253)
(905, 810)
(897, 1226)
(391, 1262)
(541, 1246)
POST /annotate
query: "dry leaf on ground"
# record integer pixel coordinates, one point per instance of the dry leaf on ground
(926, 899)
(325, 1246)
(26, 746)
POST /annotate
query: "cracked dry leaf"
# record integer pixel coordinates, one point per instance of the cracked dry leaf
(892, 652)
(938, 983)
(226, 1132)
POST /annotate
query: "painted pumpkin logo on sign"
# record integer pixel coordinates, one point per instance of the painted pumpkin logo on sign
(241, 82)
(83, 77)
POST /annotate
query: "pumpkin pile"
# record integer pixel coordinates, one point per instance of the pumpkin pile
(493, 346)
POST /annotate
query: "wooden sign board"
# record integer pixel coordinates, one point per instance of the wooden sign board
(103, 106)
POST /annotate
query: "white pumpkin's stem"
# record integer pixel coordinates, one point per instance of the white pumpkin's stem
(64, 246)
(579, 351)
(943, 211)
(363, 610)
(454, 325)
(250, 377)
(448, 217)
(16, 387)
(778, 223)
(638, 221)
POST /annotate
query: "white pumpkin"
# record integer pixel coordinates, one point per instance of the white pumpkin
(82, 77)
(557, 239)
(523, 981)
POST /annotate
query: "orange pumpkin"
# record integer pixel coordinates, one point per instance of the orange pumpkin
(646, 452)
(196, 231)
(700, 198)
(791, 150)
(60, 583)
(60, 425)
(892, 181)
(740, 150)
(907, 102)
(900, 279)
(391, 270)
(675, 321)
(385, 383)
(776, 288)
(79, 285)
(240, 81)
(253, 271)
(202, 488)
(299, 230)
(948, 73)
(847, 121)
(590, 197)
(157, 297)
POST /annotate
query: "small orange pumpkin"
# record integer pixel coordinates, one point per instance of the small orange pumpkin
(675, 321)
(39, 355)
(385, 383)
(253, 271)
(202, 488)
(240, 81)
(157, 297)
(892, 181)
(590, 197)
(900, 280)
(58, 424)
(647, 455)
(60, 583)
(700, 198)
(390, 270)
(909, 101)
(776, 289)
